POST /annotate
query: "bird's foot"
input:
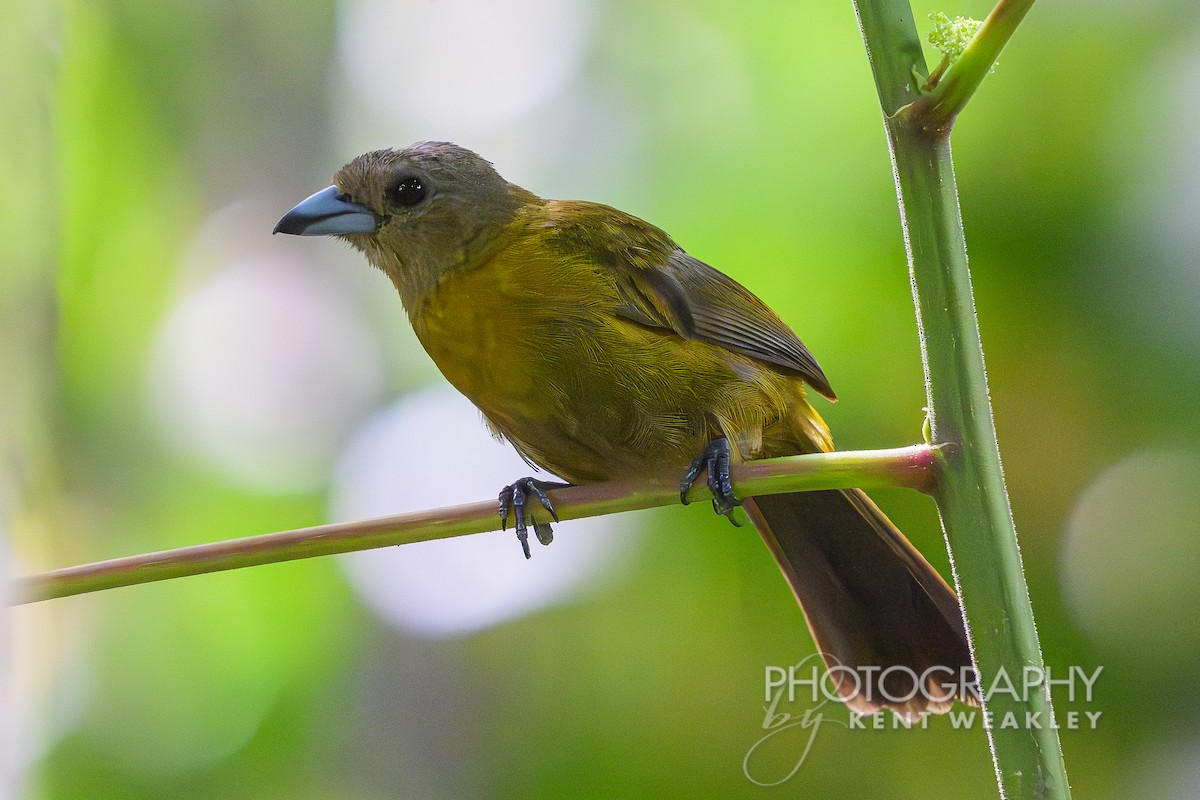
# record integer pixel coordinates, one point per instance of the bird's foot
(715, 462)
(514, 497)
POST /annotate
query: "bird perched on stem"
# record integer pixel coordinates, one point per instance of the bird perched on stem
(601, 350)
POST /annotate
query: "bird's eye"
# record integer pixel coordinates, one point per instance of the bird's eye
(407, 191)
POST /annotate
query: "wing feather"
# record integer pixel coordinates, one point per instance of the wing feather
(661, 286)
(723, 312)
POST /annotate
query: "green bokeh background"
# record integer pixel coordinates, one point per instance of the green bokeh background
(751, 132)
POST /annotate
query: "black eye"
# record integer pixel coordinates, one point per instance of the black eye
(407, 191)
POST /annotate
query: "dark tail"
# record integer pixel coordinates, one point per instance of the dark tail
(888, 626)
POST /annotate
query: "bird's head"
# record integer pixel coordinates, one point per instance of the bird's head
(418, 214)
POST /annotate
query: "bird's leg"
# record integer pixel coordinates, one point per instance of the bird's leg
(513, 498)
(715, 462)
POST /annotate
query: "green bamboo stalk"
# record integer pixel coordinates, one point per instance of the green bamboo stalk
(913, 467)
(971, 495)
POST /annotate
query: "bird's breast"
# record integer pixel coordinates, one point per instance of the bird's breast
(534, 343)
(487, 330)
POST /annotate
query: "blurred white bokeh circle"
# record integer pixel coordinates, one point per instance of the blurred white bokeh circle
(262, 370)
(429, 450)
(461, 64)
(1131, 555)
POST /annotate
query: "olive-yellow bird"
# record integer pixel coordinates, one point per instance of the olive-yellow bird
(601, 350)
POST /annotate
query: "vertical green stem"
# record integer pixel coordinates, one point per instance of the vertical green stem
(972, 498)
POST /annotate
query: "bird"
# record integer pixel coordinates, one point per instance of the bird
(601, 350)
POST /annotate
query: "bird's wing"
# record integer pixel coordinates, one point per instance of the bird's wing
(661, 286)
(696, 301)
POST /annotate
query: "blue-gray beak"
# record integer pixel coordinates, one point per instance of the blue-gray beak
(327, 213)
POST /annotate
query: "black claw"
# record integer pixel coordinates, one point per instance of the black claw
(715, 462)
(523, 538)
(690, 476)
(505, 506)
(540, 493)
(512, 499)
(543, 532)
